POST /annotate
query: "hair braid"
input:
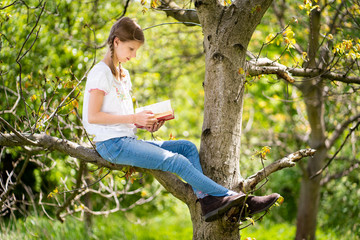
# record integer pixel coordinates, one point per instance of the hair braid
(111, 46)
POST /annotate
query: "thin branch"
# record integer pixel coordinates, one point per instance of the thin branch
(19, 58)
(272, 39)
(18, 134)
(73, 195)
(125, 9)
(333, 157)
(13, 3)
(288, 161)
(186, 23)
(86, 185)
(340, 128)
(279, 13)
(8, 190)
(341, 174)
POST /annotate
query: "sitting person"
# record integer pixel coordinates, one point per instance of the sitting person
(108, 114)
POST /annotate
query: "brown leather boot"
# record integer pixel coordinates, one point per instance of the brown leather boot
(214, 207)
(256, 204)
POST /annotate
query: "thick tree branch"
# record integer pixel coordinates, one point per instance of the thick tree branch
(261, 66)
(288, 161)
(175, 11)
(172, 183)
(182, 191)
(266, 66)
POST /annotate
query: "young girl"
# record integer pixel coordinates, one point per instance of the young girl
(108, 115)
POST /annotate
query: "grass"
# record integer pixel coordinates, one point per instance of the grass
(162, 226)
(119, 226)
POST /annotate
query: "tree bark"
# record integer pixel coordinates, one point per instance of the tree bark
(227, 31)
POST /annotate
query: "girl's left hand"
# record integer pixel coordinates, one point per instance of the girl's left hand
(155, 127)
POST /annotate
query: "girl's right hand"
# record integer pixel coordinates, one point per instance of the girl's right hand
(145, 118)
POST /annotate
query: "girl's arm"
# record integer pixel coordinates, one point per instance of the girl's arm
(95, 116)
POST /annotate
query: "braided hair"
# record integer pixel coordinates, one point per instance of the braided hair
(125, 29)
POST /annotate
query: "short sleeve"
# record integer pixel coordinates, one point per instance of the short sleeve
(98, 79)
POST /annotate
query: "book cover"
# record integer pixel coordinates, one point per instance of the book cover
(162, 111)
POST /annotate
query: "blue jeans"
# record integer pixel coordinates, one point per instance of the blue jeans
(180, 157)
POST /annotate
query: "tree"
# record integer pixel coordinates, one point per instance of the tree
(227, 29)
(322, 64)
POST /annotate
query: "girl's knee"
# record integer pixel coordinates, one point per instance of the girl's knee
(189, 145)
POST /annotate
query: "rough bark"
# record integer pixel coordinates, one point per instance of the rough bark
(227, 31)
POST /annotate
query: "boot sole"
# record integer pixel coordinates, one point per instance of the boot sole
(215, 214)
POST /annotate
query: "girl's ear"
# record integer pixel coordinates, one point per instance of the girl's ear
(116, 41)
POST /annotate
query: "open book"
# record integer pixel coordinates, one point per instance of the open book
(161, 110)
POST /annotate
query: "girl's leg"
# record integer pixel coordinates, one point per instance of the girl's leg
(186, 149)
(129, 151)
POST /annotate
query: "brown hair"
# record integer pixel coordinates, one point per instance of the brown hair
(125, 29)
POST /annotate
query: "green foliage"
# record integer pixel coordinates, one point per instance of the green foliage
(63, 44)
(341, 203)
(70, 37)
(274, 113)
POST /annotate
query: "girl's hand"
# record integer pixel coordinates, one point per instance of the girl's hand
(155, 127)
(145, 118)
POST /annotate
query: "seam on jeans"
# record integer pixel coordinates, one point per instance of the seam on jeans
(110, 153)
(107, 154)
(119, 150)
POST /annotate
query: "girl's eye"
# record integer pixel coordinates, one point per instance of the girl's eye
(131, 49)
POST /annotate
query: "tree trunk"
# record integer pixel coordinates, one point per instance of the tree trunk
(310, 188)
(227, 31)
(313, 91)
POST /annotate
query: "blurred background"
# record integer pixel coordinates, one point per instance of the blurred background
(48, 47)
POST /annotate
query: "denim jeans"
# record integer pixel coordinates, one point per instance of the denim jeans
(176, 156)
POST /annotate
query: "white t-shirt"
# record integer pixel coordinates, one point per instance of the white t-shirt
(117, 101)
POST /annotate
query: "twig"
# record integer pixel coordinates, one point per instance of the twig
(338, 175)
(19, 57)
(73, 195)
(87, 186)
(2, 8)
(22, 137)
(125, 9)
(17, 181)
(258, 219)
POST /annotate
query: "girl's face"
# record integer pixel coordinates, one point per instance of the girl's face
(124, 51)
